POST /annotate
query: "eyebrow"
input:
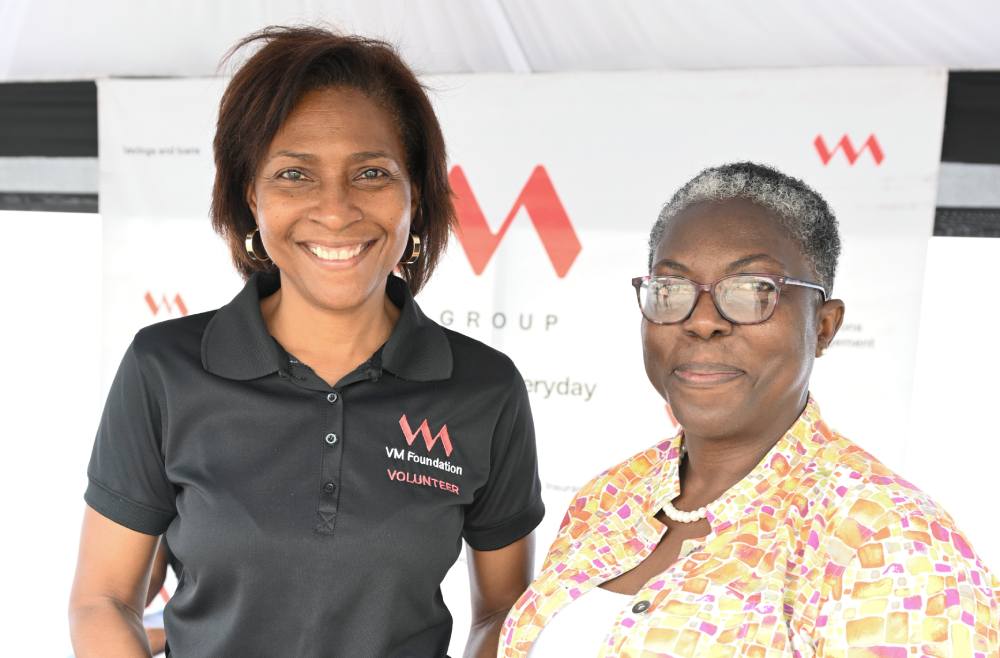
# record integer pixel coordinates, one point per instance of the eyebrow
(361, 156)
(370, 155)
(293, 154)
(672, 264)
(732, 267)
(753, 258)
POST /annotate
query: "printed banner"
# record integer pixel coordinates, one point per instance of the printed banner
(558, 179)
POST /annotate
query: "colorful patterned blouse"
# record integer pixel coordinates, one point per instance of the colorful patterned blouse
(820, 551)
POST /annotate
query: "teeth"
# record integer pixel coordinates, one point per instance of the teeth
(341, 253)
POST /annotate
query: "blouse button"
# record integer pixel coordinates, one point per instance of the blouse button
(640, 607)
(331, 438)
(331, 398)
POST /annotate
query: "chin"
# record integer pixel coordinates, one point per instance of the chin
(337, 297)
(342, 302)
(706, 416)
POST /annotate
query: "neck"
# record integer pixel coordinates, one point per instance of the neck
(329, 341)
(713, 464)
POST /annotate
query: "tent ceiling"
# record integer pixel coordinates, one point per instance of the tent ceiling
(68, 39)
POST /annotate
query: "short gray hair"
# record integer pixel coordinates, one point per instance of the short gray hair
(800, 210)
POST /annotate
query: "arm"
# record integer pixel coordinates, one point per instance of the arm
(497, 579)
(112, 578)
(157, 640)
(499, 523)
(156, 636)
(158, 576)
(131, 502)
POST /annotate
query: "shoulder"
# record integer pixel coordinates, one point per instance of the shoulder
(878, 518)
(633, 481)
(891, 541)
(611, 495)
(476, 364)
(172, 338)
(862, 488)
(472, 353)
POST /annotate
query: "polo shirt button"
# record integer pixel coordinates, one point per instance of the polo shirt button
(329, 487)
(331, 398)
(640, 607)
(331, 438)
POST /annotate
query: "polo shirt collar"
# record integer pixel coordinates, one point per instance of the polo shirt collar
(418, 348)
(236, 344)
(797, 446)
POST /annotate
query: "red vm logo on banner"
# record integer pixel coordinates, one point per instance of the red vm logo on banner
(425, 430)
(871, 145)
(539, 198)
(177, 308)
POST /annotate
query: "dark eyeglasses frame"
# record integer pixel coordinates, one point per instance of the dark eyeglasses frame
(778, 280)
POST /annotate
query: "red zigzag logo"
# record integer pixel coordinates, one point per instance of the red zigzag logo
(546, 211)
(425, 431)
(871, 145)
(165, 304)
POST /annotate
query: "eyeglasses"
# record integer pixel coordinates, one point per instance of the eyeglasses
(739, 298)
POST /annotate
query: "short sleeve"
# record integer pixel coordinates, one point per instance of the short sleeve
(917, 591)
(509, 505)
(127, 478)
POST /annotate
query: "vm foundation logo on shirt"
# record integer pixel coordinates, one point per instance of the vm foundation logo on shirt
(426, 442)
(425, 431)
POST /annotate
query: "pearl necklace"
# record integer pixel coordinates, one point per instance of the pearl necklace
(677, 515)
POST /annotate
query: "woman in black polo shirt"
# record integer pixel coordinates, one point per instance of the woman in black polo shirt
(315, 450)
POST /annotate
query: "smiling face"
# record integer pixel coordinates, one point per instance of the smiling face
(724, 379)
(333, 200)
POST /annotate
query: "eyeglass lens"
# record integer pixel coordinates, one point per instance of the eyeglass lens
(744, 299)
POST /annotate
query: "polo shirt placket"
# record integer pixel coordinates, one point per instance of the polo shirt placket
(331, 438)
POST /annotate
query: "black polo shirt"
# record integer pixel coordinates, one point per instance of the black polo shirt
(310, 520)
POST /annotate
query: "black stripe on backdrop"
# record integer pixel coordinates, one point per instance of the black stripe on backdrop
(48, 119)
(48, 202)
(967, 222)
(972, 118)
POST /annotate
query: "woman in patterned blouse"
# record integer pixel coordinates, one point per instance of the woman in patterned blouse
(806, 545)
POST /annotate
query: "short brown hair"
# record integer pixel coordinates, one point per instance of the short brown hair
(262, 93)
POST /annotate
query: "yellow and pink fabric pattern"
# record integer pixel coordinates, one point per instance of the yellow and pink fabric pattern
(821, 551)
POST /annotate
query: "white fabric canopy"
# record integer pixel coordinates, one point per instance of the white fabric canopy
(68, 39)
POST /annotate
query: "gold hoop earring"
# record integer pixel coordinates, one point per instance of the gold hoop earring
(414, 251)
(248, 244)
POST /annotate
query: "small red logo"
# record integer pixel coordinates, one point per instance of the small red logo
(546, 211)
(177, 308)
(425, 430)
(871, 145)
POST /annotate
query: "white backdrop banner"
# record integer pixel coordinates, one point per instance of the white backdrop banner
(558, 179)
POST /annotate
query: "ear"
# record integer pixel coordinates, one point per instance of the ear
(414, 204)
(830, 317)
(251, 199)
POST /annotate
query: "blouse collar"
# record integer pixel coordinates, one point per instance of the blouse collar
(806, 436)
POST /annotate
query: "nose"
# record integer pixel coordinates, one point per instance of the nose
(705, 320)
(335, 206)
